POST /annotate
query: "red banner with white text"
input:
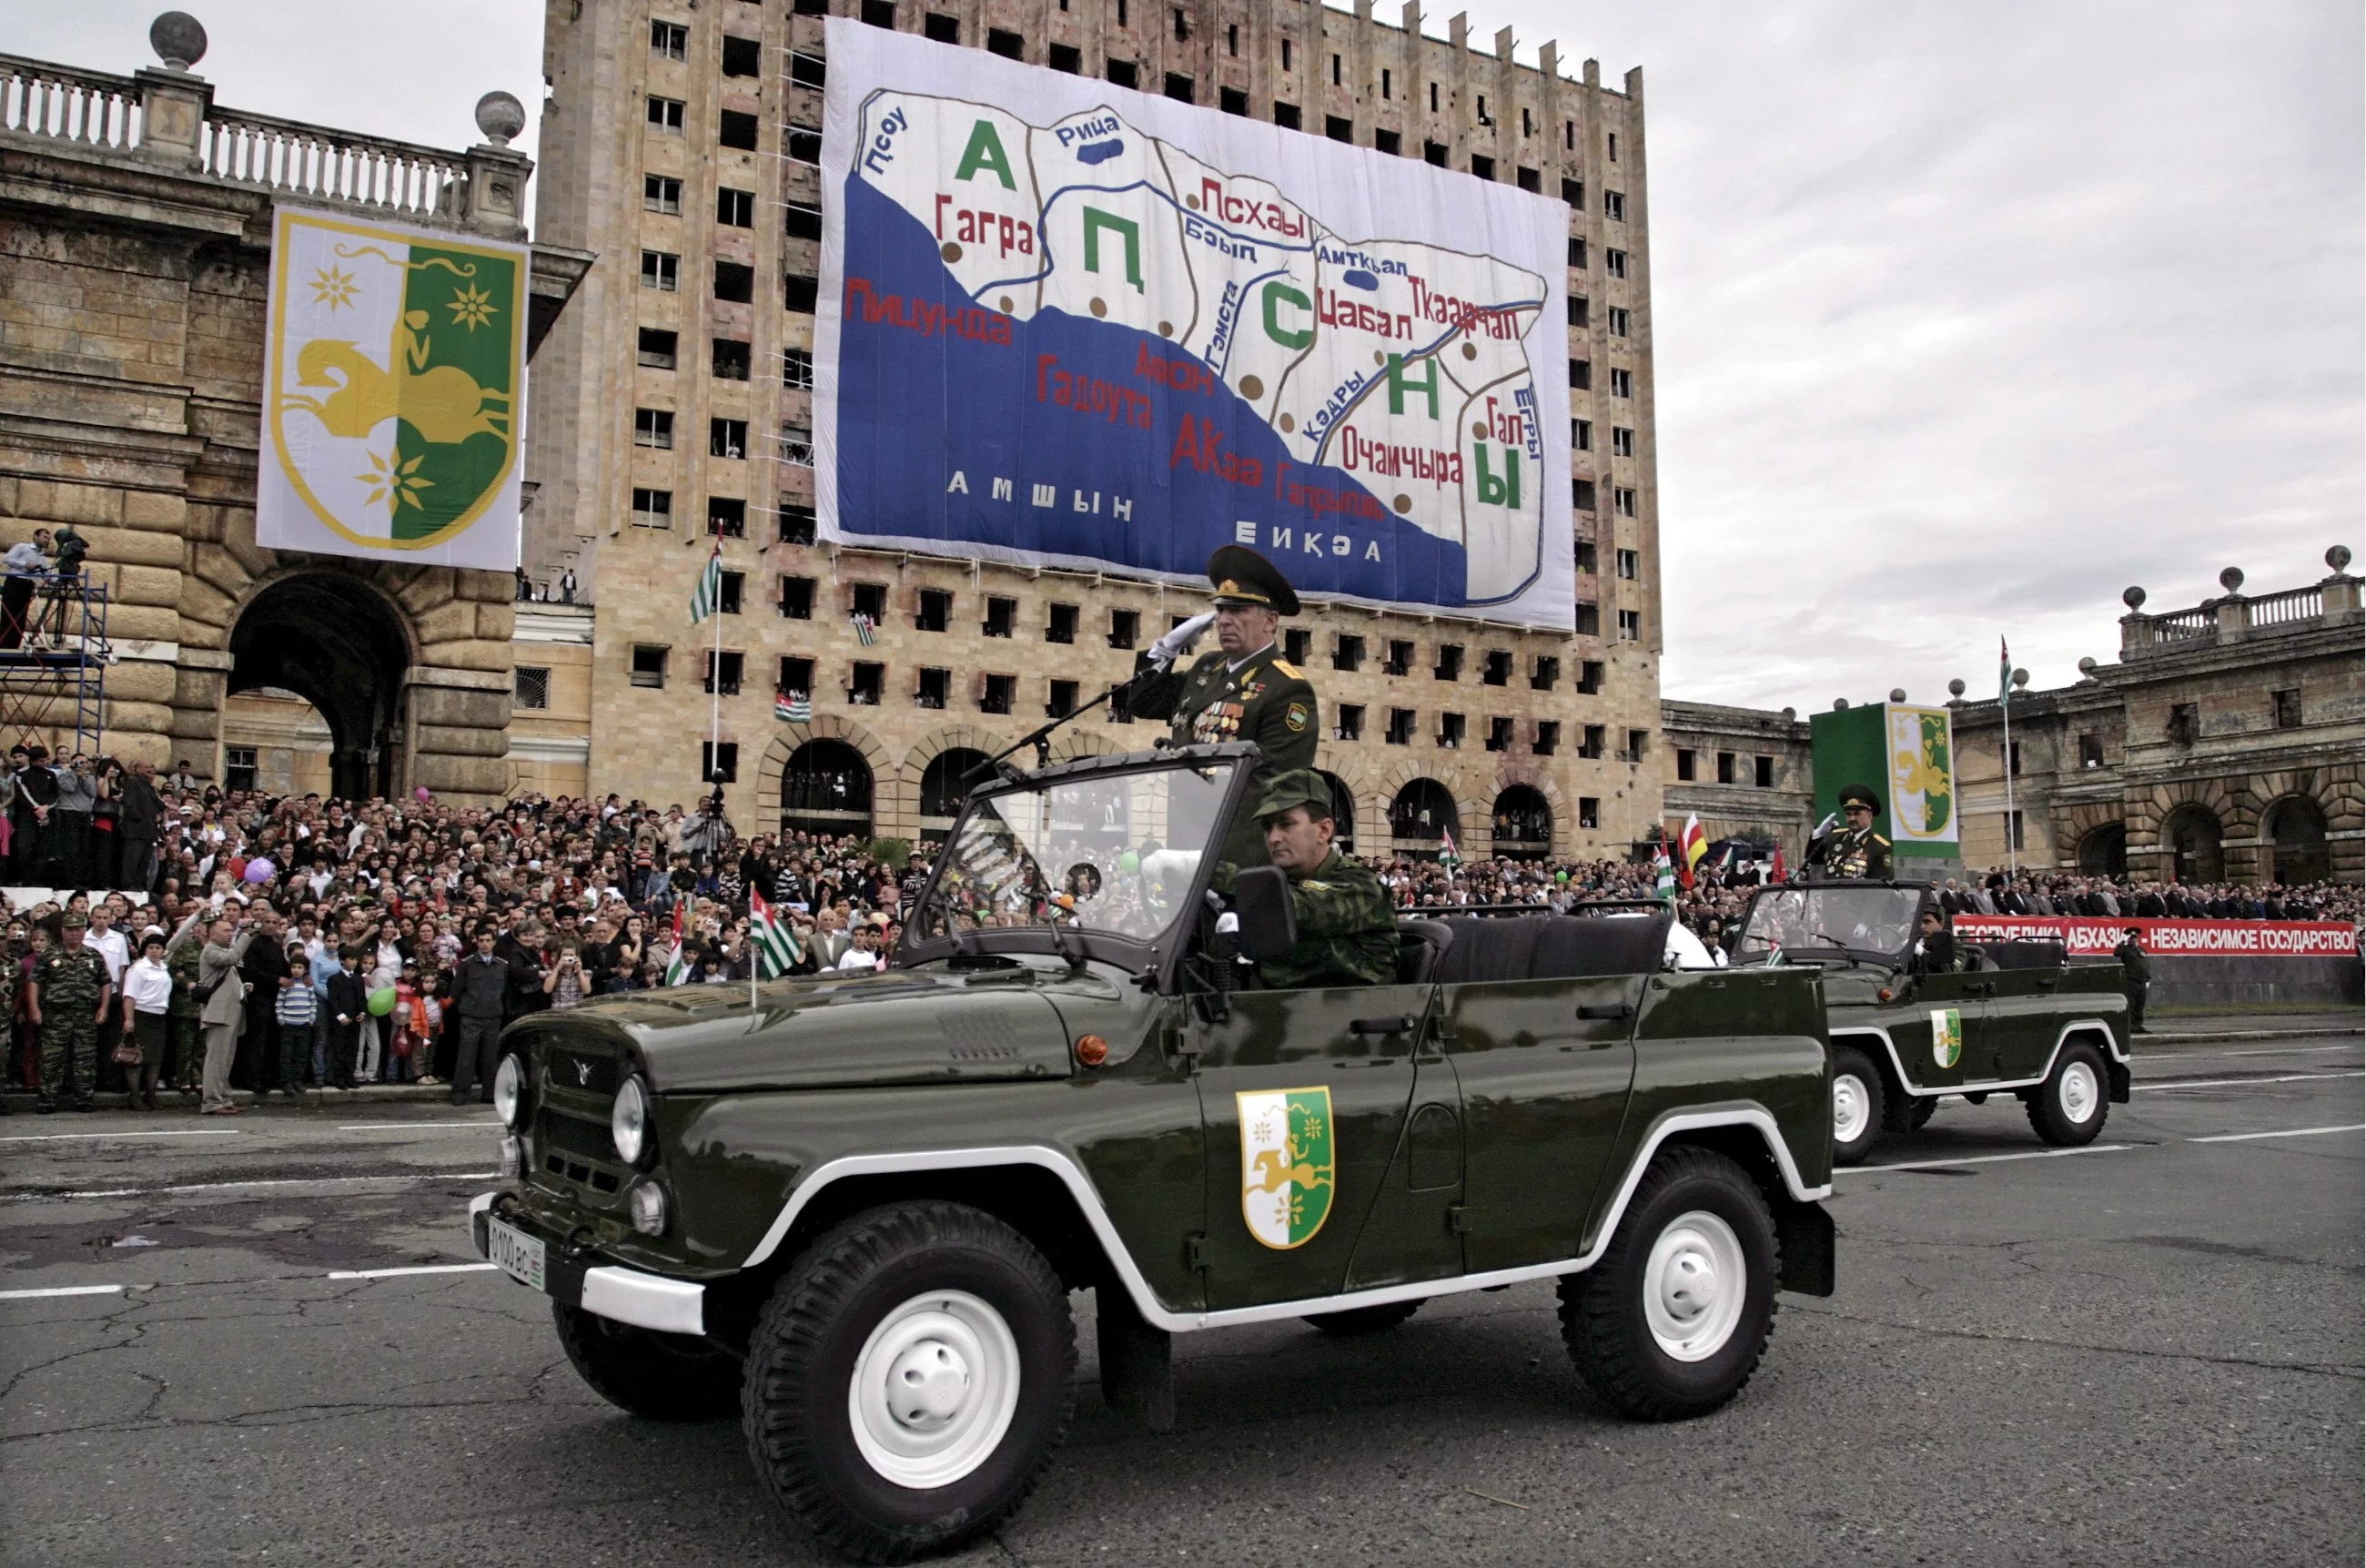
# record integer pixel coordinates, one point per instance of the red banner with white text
(2095, 936)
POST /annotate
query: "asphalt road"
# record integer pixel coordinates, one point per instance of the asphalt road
(2146, 1352)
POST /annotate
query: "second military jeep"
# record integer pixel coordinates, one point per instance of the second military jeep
(2012, 1018)
(852, 1211)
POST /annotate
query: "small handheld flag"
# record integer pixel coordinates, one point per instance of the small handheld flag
(1692, 845)
(1777, 872)
(776, 944)
(1664, 878)
(707, 597)
(678, 966)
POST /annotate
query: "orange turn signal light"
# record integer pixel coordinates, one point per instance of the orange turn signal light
(1886, 994)
(1091, 1050)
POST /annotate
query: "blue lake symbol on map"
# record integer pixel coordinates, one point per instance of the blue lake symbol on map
(1359, 278)
(1099, 151)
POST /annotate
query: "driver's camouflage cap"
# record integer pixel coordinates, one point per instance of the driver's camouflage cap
(1300, 787)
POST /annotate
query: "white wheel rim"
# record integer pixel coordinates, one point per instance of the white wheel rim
(1695, 1285)
(934, 1389)
(2077, 1092)
(1851, 1107)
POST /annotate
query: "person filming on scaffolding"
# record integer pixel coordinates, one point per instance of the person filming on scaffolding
(27, 563)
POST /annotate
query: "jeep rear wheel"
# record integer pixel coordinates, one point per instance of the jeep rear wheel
(1856, 1105)
(659, 1377)
(1671, 1322)
(1363, 1320)
(908, 1380)
(2069, 1108)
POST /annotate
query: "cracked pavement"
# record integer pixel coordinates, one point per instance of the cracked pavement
(2144, 1354)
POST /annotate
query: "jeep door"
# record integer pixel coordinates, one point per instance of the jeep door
(1545, 1067)
(1306, 1097)
(2024, 1018)
(1923, 1037)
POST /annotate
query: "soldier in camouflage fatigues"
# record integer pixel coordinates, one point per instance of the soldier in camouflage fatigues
(1346, 928)
(185, 1033)
(69, 991)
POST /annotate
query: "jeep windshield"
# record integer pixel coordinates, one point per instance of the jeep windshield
(1803, 923)
(1116, 853)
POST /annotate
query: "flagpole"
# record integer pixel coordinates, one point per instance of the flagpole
(2012, 860)
(715, 719)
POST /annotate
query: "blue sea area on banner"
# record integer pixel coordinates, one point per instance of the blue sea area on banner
(1061, 435)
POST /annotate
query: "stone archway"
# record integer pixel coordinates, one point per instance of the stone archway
(1420, 816)
(2192, 838)
(825, 789)
(1343, 812)
(1523, 823)
(2103, 852)
(2294, 833)
(943, 788)
(338, 643)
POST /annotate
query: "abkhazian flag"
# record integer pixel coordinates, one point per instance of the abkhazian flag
(1664, 880)
(1691, 844)
(776, 944)
(1446, 846)
(863, 630)
(678, 966)
(707, 597)
(2004, 672)
(795, 708)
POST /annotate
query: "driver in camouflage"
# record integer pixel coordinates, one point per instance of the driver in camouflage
(1853, 851)
(1244, 692)
(1346, 928)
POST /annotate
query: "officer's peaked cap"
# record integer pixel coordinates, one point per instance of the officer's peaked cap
(1243, 578)
(1858, 794)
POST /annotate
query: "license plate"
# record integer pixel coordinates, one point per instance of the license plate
(518, 1255)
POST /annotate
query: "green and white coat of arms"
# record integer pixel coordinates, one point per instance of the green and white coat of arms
(1946, 1036)
(1285, 1164)
(392, 400)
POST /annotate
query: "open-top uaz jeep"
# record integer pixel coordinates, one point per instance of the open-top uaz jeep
(2018, 1020)
(854, 1211)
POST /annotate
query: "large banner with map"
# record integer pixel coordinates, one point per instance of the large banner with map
(1065, 323)
(393, 387)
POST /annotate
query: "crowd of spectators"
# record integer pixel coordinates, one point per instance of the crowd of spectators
(387, 941)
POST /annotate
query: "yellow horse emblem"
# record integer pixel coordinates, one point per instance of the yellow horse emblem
(443, 403)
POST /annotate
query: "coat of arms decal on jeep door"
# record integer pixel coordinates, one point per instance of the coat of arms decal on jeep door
(1285, 1164)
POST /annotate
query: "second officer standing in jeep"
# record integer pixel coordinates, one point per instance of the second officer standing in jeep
(1245, 691)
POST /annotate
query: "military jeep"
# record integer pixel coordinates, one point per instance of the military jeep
(852, 1210)
(2014, 1017)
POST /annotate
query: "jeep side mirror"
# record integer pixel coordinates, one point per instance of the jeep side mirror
(1261, 898)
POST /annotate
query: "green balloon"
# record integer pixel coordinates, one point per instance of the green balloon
(1129, 862)
(381, 1001)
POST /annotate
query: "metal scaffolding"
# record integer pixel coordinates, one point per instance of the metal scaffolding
(56, 675)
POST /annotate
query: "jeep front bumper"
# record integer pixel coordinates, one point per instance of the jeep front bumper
(623, 1295)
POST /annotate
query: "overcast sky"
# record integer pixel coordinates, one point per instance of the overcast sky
(1968, 316)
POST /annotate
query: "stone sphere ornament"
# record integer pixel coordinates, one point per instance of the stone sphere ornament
(2231, 579)
(2338, 558)
(500, 117)
(2134, 598)
(178, 39)
(1897, 694)
(1955, 687)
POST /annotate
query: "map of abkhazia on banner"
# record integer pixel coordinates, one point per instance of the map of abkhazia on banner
(1065, 323)
(393, 384)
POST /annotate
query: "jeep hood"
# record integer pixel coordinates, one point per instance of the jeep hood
(830, 1032)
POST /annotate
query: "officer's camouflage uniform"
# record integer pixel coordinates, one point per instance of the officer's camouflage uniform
(1859, 854)
(71, 980)
(184, 1033)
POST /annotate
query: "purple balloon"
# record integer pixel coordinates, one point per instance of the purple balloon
(260, 870)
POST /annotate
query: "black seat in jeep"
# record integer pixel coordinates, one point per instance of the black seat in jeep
(1551, 947)
(1420, 946)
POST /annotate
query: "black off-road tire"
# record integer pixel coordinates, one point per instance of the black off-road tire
(1362, 1320)
(1603, 1315)
(801, 1362)
(1925, 1107)
(1855, 1072)
(659, 1377)
(2053, 1109)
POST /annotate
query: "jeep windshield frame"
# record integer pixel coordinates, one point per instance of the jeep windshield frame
(1831, 921)
(1024, 871)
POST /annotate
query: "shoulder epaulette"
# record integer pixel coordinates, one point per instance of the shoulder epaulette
(1882, 841)
(1287, 668)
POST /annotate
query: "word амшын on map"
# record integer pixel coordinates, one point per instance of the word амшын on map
(1065, 323)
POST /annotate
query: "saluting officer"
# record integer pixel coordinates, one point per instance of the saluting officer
(1853, 849)
(70, 994)
(1244, 692)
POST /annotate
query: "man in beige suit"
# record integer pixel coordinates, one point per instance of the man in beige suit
(224, 1012)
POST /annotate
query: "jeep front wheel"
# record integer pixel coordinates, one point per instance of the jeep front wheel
(1856, 1105)
(1670, 1322)
(2069, 1108)
(908, 1380)
(659, 1377)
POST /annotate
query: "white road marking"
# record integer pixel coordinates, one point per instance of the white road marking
(411, 1127)
(222, 1186)
(64, 1291)
(430, 1269)
(1982, 1159)
(2237, 1083)
(2274, 1051)
(64, 1137)
(2284, 1133)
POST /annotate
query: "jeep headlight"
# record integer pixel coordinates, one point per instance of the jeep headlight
(628, 1122)
(509, 1089)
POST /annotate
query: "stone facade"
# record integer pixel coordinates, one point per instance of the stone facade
(1747, 773)
(135, 240)
(2223, 746)
(1559, 736)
